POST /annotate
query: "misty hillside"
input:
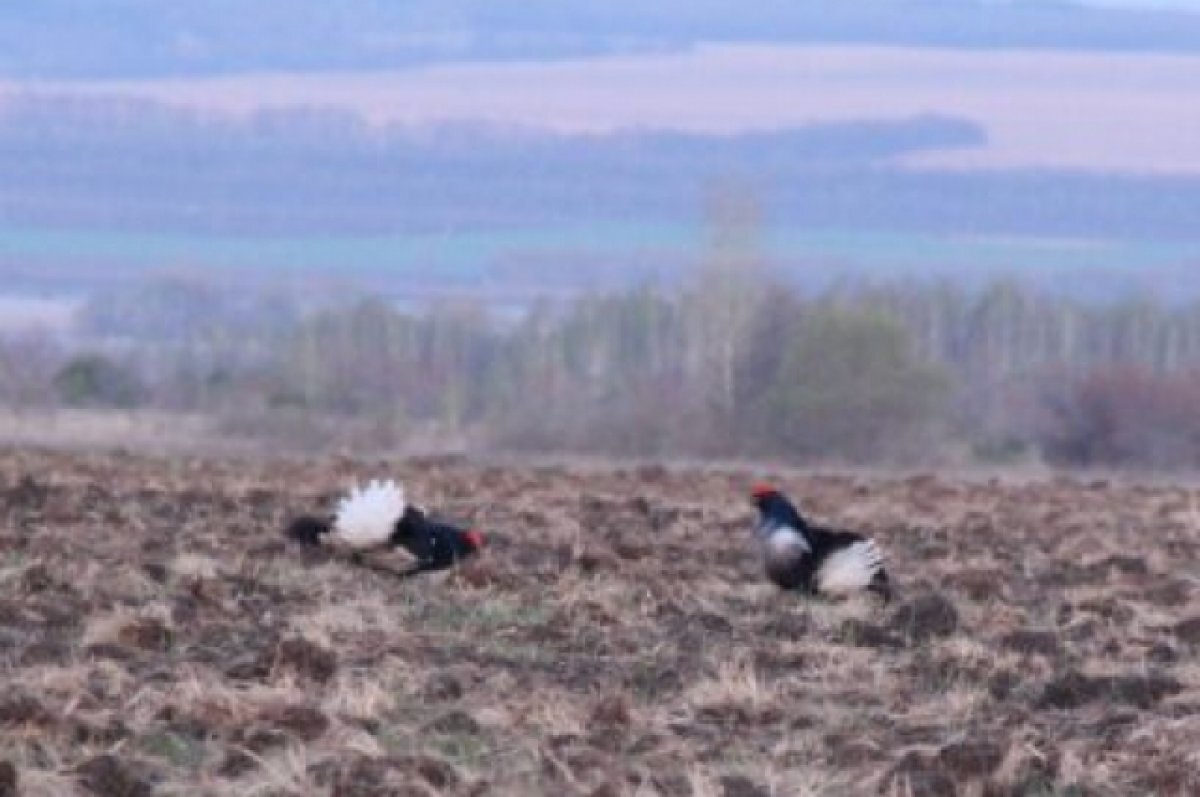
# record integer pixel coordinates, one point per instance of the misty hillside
(94, 192)
(136, 166)
(85, 38)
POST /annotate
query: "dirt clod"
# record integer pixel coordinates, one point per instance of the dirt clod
(1044, 643)
(455, 723)
(1074, 689)
(19, 708)
(303, 722)
(442, 686)
(916, 774)
(1188, 631)
(306, 659)
(970, 759)
(9, 782)
(108, 776)
(868, 635)
(1071, 690)
(146, 633)
(613, 711)
(741, 786)
(926, 617)
(436, 772)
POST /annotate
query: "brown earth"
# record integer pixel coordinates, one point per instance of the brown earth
(159, 636)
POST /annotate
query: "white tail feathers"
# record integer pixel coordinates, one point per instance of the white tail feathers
(365, 518)
(849, 569)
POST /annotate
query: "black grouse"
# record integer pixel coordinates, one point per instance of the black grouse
(798, 555)
(377, 516)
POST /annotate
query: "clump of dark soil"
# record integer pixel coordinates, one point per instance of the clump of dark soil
(925, 617)
(454, 723)
(436, 772)
(918, 774)
(1074, 689)
(109, 776)
(20, 708)
(305, 659)
(442, 686)
(868, 635)
(1188, 631)
(303, 722)
(1027, 642)
(145, 633)
(741, 786)
(973, 758)
(9, 781)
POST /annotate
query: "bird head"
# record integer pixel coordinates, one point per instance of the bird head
(762, 491)
(773, 504)
(769, 501)
(475, 539)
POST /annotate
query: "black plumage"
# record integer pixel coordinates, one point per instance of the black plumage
(436, 545)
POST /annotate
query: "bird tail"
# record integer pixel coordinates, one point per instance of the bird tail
(855, 567)
(881, 585)
(366, 517)
(308, 530)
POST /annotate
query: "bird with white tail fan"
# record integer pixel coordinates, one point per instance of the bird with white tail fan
(799, 555)
(378, 516)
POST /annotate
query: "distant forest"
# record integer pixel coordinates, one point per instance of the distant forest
(727, 364)
(87, 38)
(136, 166)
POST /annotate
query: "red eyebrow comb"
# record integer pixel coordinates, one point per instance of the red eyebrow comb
(762, 490)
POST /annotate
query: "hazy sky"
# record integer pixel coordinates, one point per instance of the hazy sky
(1185, 5)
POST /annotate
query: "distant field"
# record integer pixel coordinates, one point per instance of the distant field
(22, 312)
(571, 258)
(1101, 112)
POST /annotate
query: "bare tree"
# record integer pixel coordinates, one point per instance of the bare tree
(727, 290)
(28, 362)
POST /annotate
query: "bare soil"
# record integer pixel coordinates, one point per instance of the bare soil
(158, 636)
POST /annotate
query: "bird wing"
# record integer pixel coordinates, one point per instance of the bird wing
(366, 516)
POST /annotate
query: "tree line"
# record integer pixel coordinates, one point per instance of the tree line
(731, 363)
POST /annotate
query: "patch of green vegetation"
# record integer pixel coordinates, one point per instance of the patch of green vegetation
(487, 617)
(409, 734)
(12, 564)
(462, 748)
(1039, 786)
(180, 751)
(394, 738)
(652, 679)
(95, 380)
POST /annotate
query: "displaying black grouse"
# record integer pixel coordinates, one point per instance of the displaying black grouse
(802, 556)
(377, 516)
